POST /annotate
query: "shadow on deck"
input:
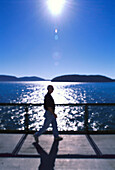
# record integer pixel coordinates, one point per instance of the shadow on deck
(84, 151)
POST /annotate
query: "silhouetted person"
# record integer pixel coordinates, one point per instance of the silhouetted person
(50, 116)
(47, 160)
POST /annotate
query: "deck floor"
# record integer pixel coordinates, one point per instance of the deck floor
(74, 152)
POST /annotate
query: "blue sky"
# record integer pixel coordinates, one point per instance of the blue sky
(84, 42)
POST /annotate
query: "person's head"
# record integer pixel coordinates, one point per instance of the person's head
(50, 89)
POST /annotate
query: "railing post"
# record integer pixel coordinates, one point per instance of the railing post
(86, 119)
(26, 119)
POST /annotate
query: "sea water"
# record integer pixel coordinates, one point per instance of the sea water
(69, 117)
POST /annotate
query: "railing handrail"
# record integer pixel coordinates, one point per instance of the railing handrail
(64, 104)
(85, 105)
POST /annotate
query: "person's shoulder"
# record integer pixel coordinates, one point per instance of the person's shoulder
(47, 95)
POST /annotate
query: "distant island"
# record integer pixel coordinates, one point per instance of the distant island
(13, 78)
(82, 78)
(64, 78)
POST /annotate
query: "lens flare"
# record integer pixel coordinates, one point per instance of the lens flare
(55, 6)
(56, 30)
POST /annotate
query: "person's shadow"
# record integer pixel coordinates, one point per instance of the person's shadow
(47, 160)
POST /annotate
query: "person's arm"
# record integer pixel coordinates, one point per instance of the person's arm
(51, 110)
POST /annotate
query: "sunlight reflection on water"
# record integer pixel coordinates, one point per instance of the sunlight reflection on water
(69, 118)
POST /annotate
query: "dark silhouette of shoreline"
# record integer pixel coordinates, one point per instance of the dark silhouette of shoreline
(64, 78)
(82, 78)
(13, 78)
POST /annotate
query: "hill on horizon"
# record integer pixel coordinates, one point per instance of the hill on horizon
(14, 78)
(63, 78)
(82, 78)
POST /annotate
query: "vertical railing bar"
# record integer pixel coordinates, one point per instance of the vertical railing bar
(86, 118)
(26, 119)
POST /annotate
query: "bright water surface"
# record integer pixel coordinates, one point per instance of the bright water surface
(69, 118)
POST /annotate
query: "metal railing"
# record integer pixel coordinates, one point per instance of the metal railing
(86, 116)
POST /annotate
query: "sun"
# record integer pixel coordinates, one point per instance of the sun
(56, 6)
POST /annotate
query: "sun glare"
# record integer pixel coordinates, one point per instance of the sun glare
(56, 6)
